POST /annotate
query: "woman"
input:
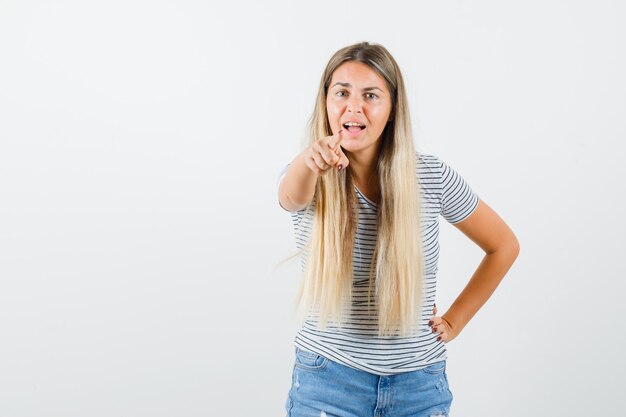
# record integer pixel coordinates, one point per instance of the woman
(365, 207)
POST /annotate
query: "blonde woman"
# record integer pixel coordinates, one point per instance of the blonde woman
(365, 208)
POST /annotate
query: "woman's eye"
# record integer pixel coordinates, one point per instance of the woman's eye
(343, 93)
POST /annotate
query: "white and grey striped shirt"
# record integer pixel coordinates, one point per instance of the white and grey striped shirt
(356, 344)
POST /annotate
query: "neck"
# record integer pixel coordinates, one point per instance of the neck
(364, 169)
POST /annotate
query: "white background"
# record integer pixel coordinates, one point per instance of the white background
(140, 144)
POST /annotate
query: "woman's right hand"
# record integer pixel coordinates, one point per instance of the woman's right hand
(326, 153)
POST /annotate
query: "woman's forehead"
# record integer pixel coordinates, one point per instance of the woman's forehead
(357, 75)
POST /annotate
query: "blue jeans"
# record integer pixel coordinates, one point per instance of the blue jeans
(323, 388)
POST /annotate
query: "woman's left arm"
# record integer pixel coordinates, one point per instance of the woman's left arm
(501, 247)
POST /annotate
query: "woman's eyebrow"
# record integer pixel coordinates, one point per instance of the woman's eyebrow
(348, 85)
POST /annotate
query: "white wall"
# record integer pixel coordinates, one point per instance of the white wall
(140, 143)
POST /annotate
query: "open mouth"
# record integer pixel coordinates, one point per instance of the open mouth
(353, 127)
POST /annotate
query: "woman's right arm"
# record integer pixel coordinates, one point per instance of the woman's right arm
(297, 187)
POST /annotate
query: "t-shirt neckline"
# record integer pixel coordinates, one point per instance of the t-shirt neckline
(365, 198)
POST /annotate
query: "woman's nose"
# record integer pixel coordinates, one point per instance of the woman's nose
(355, 105)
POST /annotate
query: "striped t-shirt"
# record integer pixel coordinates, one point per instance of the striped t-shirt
(357, 344)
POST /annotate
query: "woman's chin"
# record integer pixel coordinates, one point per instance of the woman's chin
(356, 145)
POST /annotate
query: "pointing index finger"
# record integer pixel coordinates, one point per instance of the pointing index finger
(336, 140)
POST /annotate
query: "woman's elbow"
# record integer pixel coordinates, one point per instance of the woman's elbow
(512, 246)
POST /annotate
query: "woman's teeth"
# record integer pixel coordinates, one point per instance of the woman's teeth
(353, 127)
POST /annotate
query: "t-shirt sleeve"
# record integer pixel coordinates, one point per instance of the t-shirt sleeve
(458, 200)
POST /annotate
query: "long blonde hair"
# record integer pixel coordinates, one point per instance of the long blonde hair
(397, 263)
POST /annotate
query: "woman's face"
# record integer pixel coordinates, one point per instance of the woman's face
(358, 94)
